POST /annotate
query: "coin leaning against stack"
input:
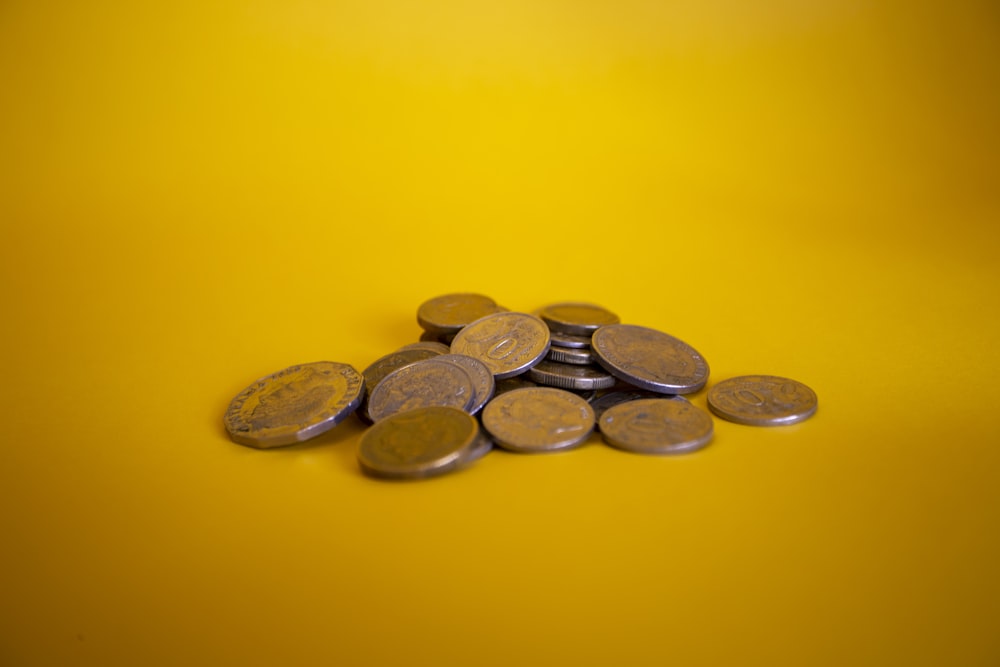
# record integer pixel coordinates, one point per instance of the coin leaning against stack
(482, 375)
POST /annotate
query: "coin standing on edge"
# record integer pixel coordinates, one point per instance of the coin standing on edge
(762, 400)
(448, 313)
(426, 383)
(294, 404)
(649, 359)
(581, 319)
(509, 343)
(656, 426)
(539, 419)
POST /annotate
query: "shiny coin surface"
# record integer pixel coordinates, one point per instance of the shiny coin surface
(762, 400)
(569, 340)
(656, 426)
(570, 355)
(426, 383)
(483, 384)
(383, 366)
(509, 343)
(649, 359)
(294, 404)
(431, 346)
(570, 376)
(539, 419)
(581, 319)
(448, 313)
(612, 398)
(421, 443)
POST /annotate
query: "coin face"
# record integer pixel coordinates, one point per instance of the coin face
(383, 366)
(509, 343)
(569, 376)
(483, 384)
(577, 318)
(656, 426)
(649, 359)
(762, 400)
(448, 313)
(294, 404)
(430, 382)
(421, 443)
(539, 419)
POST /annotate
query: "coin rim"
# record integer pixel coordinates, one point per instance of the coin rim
(749, 421)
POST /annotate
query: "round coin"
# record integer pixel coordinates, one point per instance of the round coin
(430, 382)
(294, 404)
(612, 398)
(421, 443)
(656, 426)
(762, 400)
(569, 340)
(649, 359)
(483, 384)
(448, 313)
(383, 366)
(570, 376)
(509, 343)
(570, 355)
(538, 419)
(581, 319)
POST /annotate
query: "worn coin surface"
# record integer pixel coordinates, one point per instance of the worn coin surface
(448, 313)
(581, 319)
(430, 382)
(294, 404)
(656, 426)
(421, 443)
(483, 384)
(649, 359)
(570, 355)
(570, 376)
(509, 343)
(381, 367)
(612, 398)
(762, 400)
(539, 419)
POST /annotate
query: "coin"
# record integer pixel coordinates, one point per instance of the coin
(649, 359)
(539, 419)
(568, 340)
(448, 313)
(509, 343)
(381, 367)
(483, 384)
(570, 355)
(581, 319)
(430, 382)
(512, 383)
(656, 426)
(569, 376)
(431, 346)
(614, 397)
(294, 404)
(422, 442)
(762, 400)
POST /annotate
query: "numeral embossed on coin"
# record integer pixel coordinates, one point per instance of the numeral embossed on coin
(762, 400)
(508, 343)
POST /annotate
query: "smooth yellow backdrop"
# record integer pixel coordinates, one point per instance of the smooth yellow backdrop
(196, 194)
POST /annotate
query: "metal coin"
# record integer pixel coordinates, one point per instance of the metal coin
(483, 384)
(649, 359)
(509, 343)
(581, 319)
(426, 383)
(539, 419)
(431, 346)
(612, 398)
(385, 365)
(568, 376)
(762, 400)
(430, 336)
(420, 443)
(294, 404)
(448, 313)
(512, 383)
(569, 340)
(570, 355)
(656, 426)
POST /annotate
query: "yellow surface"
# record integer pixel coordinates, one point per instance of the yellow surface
(193, 195)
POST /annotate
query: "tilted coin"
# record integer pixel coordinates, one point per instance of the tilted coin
(540, 419)
(421, 443)
(614, 397)
(426, 383)
(569, 340)
(381, 367)
(294, 404)
(570, 376)
(649, 359)
(570, 355)
(762, 400)
(656, 426)
(431, 346)
(577, 318)
(448, 313)
(509, 343)
(483, 384)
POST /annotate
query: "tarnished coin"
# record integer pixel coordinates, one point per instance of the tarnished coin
(762, 400)
(448, 313)
(381, 367)
(294, 404)
(431, 346)
(539, 419)
(569, 340)
(508, 343)
(483, 384)
(656, 426)
(421, 443)
(581, 319)
(649, 359)
(568, 376)
(612, 398)
(570, 355)
(430, 382)
(512, 383)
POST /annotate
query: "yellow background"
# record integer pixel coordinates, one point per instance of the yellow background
(193, 195)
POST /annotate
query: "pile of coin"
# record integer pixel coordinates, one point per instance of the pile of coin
(484, 376)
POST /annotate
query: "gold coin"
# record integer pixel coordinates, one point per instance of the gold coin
(420, 443)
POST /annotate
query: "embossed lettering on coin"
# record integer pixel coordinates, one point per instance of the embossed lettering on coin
(508, 343)
(656, 426)
(483, 384)
(649, 359)
(538, 419)
(762, 400)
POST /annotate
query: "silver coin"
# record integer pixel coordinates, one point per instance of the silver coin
(448, 313)
(612, 398)
(570, 355)
(483, 384)
(431, 346)
(569, 376)
(581, 319)
(649, 359)
(539, 419)
(420, 443)
(569, 340)
(762, 400)
(656, 426)
(426, 383)
(509, 343)
(383, 366)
